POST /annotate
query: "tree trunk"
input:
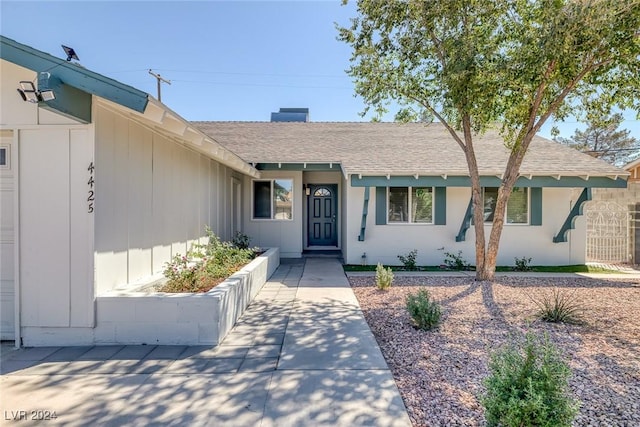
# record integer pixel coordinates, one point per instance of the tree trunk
(512, 170)
(476, 196)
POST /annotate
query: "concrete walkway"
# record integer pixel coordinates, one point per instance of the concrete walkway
(301, 355)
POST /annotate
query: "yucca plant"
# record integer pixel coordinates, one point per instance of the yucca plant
(558, 306)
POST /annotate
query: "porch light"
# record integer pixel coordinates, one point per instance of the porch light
(29, 93)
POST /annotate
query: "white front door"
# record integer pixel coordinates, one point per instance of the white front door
(7, 237)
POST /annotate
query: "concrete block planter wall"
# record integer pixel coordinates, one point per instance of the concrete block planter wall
(130, 317)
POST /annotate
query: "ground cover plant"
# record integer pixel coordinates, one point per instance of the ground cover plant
(207, 265)
(441, 373)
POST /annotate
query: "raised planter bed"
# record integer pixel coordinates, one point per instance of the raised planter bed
(140, 316)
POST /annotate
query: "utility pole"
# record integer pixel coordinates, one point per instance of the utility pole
(160, 80)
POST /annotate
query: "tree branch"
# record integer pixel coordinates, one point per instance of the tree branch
(438, 116)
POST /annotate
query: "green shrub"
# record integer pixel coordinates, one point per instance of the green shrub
(558, 307)
(527, 386)
(425, 312)
(522, 264)
(384, 277)
(455, 262)
(409, 261)
(205, 265)
(241, 240)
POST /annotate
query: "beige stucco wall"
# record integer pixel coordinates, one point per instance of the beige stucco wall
(285, 234)
(384, 242)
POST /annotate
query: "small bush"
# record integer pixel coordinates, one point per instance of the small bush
(409, 261)
(455, 262)
(558, 307)
(522, 264)
(384, 277)
(527, 386)
(241, 240)
(425, 312)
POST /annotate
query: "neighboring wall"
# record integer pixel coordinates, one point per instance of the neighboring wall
(622, 196)
(432, 241)
(154, 198)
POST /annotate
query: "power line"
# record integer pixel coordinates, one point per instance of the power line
(259, 84)
(241, 73)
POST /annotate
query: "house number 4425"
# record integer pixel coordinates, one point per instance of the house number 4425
(92, 195)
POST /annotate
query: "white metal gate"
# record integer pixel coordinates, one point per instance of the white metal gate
(608, 232)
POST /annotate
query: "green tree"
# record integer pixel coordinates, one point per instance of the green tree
(474, 63)
(603, 139)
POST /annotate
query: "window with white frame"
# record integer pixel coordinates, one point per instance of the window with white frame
(410, 205)
(517, 207)
(273, 199)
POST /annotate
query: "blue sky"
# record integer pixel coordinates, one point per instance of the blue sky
(226, 60)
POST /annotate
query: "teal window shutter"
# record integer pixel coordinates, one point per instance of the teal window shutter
(440, 216)
(536, 206)
(381, 205)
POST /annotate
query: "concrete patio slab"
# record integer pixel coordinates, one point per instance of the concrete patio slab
(334, 398)
(301, 355)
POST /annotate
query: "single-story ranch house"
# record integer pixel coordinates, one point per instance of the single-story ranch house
(102, 184)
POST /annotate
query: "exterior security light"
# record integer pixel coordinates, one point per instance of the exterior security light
(27, 86)
(47, 95)
(29, 93)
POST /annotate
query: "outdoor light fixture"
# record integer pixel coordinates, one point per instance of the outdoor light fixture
(29, 93)
(71, 54)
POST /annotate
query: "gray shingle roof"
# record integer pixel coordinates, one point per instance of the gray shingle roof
(392, 148)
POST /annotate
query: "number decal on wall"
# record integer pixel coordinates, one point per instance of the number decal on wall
(92, 194)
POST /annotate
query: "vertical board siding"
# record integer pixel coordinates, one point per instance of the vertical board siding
(161, 182)
(155, 199)
(81, 230)
(44, 228)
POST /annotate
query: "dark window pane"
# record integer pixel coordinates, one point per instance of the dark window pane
(490, 198)
(262, 199)
(398, 204)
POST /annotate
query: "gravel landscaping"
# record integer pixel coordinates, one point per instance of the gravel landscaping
(440, 373)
